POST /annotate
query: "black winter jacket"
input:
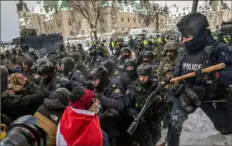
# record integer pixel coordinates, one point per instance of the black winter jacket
(24, 103)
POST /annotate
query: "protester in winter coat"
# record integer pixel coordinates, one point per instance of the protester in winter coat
(79, 64)
(50, 112)
(80, 124)
(21, 98)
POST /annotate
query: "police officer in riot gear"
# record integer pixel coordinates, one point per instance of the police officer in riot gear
(82, 52)
(79, 64)
(149, 129)
(148, 57)
(48, 75)
(67, 67)
(95, 59)
(110, 66)
(139, 47)
(33, 55)
(61, 53)
(202, 51)
(141, 54)
(110, 93)
(130, 74)
(116, 54)
(126, 54)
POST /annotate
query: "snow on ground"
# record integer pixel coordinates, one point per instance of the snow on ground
(199, 130)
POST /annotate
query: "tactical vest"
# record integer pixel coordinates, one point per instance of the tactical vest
(193, 62)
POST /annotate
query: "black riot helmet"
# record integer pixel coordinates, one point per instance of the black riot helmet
(45, 67)
(7, 53)
(144, 69)
(13, 51)
(129, 63)
(148, 48)
(67, 64)
(79, 46)
(100, 73)
(148, 56)
(109, 65)
(61, 47)
(140, 45)
(193, 24)
(126, 52)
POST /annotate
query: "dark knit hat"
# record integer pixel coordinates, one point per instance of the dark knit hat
(81, 98)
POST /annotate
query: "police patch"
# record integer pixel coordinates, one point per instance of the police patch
(117, 91)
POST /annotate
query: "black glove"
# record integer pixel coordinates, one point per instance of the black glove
(185, 104)
(200, 76)
(192, 96)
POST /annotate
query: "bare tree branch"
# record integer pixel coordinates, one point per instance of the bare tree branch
(93, 11)
(150, 12)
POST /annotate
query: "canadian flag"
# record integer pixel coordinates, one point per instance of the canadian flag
(79, 128)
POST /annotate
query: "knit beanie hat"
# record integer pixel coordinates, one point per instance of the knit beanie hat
(17, 82)
(81, 98)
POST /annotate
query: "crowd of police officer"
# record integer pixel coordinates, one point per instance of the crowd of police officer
(123, 79)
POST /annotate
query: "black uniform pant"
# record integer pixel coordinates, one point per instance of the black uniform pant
(219, 113)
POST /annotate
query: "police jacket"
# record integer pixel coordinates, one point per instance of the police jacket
(113, 95)
(76, 76)
(138, 96)
(95, 61)
(128, 79)
(82, 68)
(49, 84)
(221, 53)
(24, 103)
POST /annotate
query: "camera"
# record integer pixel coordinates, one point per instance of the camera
(25, 131)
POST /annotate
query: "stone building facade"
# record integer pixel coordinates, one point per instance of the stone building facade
(58, 17)
(70, 23)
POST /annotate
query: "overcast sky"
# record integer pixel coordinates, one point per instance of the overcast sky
(9, 18)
